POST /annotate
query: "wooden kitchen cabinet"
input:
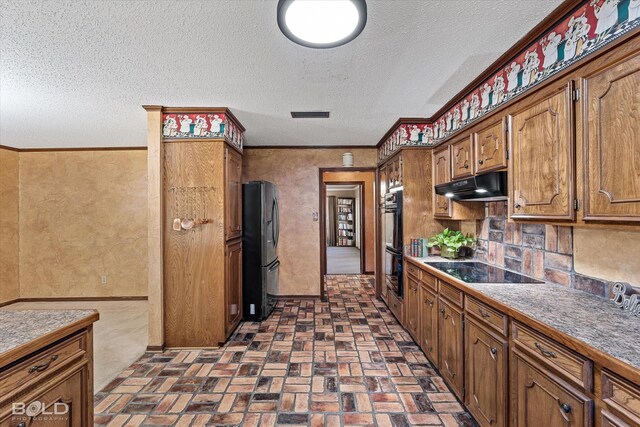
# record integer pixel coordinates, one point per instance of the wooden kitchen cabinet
(441, 175)
(233, 285)
(233, 194)
(383, 184)
(462, 158)
(412, 307)
(450, 345)
(429, 323)
(490, 147)
(611, 140)
(486, 373)
(542, 156)
(541, 398)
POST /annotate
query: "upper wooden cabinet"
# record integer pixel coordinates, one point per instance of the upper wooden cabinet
(233, 194)
(542, 157)
(611, 140)
(462, 158)
(383, 184)
(490, 147)
(394, 172)
(441, 175)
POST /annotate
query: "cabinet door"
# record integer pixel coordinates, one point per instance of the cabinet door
(542, 166)
(233, 285)
(383, 182)
(233, 194)
(412, 304)
(490, 147)
(461, 158)
(429, 324)
(612, 142)
(450, 343)
(441, 175)
(540, 399)
(66, 402)
(486, 375)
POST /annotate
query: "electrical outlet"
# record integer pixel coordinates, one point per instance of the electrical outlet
(103, 280)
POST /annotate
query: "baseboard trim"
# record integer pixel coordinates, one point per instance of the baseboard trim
(298, 296)
(13, 301)
(155, 348)
(369, 273)
(59, 299)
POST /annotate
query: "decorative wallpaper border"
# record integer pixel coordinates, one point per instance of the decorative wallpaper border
(591, 26)
(201, 126)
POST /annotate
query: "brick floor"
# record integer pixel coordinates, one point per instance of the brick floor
(343, 363)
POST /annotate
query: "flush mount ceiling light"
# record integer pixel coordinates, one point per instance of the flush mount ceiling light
(322, 24)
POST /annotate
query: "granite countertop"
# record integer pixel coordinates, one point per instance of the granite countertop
(20, 327)
(592, 320)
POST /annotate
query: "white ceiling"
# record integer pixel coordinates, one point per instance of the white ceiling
(74, 74)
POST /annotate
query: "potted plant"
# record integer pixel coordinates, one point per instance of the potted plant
(451, 242)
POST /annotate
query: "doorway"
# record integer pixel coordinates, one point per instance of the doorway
(343, 228)
(365, 180)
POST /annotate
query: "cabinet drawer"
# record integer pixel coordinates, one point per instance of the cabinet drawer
(40, 365)
(621, 396)
(451, 293)
(567, 363)
(396, 306)
(487, 315)
(429, 280)
(414, 271)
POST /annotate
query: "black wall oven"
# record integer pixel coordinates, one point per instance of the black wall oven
(393, 242)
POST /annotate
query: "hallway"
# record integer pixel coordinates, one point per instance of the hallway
(345, 362)
(343, 260)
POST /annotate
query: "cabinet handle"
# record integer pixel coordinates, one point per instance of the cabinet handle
(430, 303)
(480, 162)
(442, 311)
(43, 366)
(545, 352)
(21, 425)
(466, 165)
(517, 205)
(566, 408)
(494, 351)
(483, 313)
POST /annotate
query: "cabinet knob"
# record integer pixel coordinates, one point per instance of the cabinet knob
(466, 165)
(517, 205)
(566, 408)
(480, 162)
(442, 311)
(21, 425)
(494, 351)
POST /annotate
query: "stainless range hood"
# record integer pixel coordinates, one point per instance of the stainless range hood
(490, 186)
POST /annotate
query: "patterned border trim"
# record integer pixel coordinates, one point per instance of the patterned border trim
(201, 126)
(591, 26)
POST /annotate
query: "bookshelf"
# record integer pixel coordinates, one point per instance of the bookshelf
(346, 221)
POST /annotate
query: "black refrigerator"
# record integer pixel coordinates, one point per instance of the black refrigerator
(260, 231)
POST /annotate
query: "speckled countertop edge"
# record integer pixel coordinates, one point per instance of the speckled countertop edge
(594, 321)
(20, 327)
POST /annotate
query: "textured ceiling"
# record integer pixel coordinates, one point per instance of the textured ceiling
(74, 74)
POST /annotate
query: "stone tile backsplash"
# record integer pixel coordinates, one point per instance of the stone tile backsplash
(537, 250)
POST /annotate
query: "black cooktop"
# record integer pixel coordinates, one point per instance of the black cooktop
(478, 272)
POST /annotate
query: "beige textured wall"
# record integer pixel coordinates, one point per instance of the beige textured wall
(612, 255)
(295, 172)
(9, 243)
(83, 215)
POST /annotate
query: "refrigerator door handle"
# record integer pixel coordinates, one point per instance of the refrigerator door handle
(275, 265)
(277, 221)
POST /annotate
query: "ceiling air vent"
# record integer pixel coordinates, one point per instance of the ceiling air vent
(310, 114)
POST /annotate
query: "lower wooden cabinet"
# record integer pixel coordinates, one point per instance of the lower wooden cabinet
(233, 285)
(486, 375)
(540, 398)
(450, 345)
(429, 323)
(412, 307)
